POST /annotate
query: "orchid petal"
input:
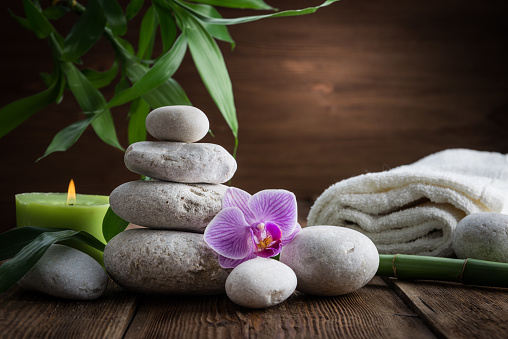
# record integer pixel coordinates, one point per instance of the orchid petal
(274, 231)
(235, 197)
(287, 239)
(228, 234)
(226, 262)
(277, 206)
(270, 251)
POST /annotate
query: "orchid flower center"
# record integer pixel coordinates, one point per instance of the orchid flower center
(262, 238)
(266, 238)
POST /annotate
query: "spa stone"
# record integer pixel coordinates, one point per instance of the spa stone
(165, 262)
(167, 205)
(260, 283)
(331, 260)
(482, 236)
(181, 162)
(65, 272)
(177, 123)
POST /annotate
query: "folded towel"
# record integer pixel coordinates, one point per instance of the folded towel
(413, 209)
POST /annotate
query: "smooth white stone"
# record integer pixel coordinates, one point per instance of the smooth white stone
(65, 272)
(482, 236)
(331, 260)
(181, 162)
(167, 205)
(166, 262)
(260, 283)
(177, 123)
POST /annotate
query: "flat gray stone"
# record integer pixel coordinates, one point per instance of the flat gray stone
(331, 260)
(181, 162)
(165, 262)
(167, 205)
(177, 123)
(482, 236)
(260, 283)
(65, 272)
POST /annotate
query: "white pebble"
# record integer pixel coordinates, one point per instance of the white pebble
(177, 123)
(331, 260)
(260, 283)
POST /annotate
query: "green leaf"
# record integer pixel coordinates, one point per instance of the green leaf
(67, 137)
(147, 34)
(101, 79)
(133, 8)
(11, 242)
(138, 112)
(23, 22)
(18, 111)
(112, 224)
(167, 28)
(93, 104)
(114, 16)
(163, 69)
(212, 68)
(55, 12)
(217, 31)
(247, 4)
(38, 22)
(85, 33)
(235, 21)
(13, 270)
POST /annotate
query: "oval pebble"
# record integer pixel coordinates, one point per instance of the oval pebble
(65, 272)
(177, 123)
(260, 283)
(180, 162)
(331, 260)
(482, 236)
(167, 262)
(167, 205)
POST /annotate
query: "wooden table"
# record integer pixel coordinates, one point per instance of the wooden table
(384, 308)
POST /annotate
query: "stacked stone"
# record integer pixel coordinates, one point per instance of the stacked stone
(170, 255)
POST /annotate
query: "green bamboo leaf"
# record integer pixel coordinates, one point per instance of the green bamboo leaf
(212, 68)
(23, 22)
(163, 69)
(138, 112)
(167, 28)
(67, 137)
(146, 34)
(235, 21)
(133, 8)
(219, 32)
(85, 33)
(93, 104)
(13, 270)
(247, 4)
(55, 12)
(11, 242)
(114, 16)
(112, 224)
(38, 22)
(18, 111)
(101, 79)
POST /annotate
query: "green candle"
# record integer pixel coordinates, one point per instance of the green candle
(53, 210)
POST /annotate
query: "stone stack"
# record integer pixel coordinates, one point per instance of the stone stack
(170, 255)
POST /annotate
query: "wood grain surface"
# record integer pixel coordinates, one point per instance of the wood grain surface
(359, 86)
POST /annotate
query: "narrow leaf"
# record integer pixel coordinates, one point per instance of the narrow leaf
(133, 8)
(167, 28)
(219, 32)
(146, 34)
(11, 242)
(247, 4)
(112, 224)
(38, 22)
(55, 12)
(163, 69)
(13, 270)
(85, 33)
(114, 16)
(101, 79)
(138, 112)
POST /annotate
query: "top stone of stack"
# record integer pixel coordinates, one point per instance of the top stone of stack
(177, 123)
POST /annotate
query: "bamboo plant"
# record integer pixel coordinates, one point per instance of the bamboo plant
(142, 80)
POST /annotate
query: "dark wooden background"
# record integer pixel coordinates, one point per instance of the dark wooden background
(360, 86)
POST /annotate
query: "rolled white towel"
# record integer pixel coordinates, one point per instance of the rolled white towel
(414, 209)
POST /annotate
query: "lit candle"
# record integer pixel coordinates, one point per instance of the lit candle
(80, 212)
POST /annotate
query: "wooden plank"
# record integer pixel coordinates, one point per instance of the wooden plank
(372, 312)
(26, 314)
(457, 311)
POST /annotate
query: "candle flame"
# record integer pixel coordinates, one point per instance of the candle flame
(71, 193)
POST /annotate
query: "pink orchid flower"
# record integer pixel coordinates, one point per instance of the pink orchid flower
(250, 226)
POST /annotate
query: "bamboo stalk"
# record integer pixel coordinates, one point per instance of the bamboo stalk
(466, 271)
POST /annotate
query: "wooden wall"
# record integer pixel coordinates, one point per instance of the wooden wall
(360, 86)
